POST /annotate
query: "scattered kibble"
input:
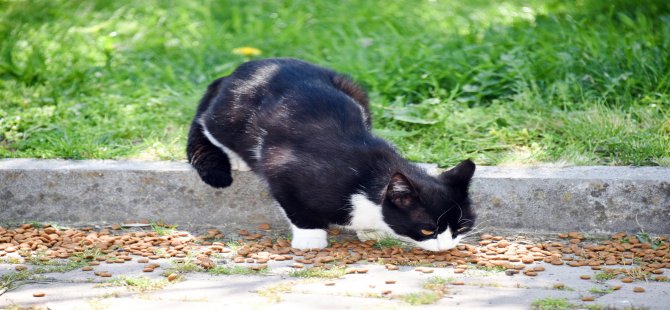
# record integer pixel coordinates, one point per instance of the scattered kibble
(39, 294)
(638, 289)
(113, 246)
(172, 277)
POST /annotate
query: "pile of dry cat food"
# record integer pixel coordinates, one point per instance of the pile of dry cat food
(649, 256)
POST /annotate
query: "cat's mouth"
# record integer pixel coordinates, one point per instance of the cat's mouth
(439, 244)
(442, 242)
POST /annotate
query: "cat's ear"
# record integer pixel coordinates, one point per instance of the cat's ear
(400, 191)
(460, 175)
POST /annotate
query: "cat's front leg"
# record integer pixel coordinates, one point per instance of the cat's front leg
(309, 238)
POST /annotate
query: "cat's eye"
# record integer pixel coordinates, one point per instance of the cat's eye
(427, 232)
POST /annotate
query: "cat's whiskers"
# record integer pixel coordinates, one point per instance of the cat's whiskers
(475, 230)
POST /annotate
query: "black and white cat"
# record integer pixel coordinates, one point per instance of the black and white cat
(306, 130)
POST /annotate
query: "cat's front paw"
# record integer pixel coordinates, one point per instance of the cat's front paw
(216, 178)
(309, 238)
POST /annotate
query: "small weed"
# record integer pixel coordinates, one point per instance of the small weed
(9, 281)
(601, 291)
(235, 270)
(90, 253)
(437, 283)
(562, 287)
(111, 295)
(12, 260)
(185, 266)
(645, 238)
(272, 292)
(551, 304)
(234, 245)
(317, 272)
(422, 298)
(140, 284)
(487, 268)
(604, 276)
(637, 273)
(388, 242)
(163, 229)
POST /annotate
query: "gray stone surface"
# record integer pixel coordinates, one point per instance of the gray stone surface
(481, 289)
(535, 200)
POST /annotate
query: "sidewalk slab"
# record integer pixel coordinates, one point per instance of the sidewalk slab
(518, 199)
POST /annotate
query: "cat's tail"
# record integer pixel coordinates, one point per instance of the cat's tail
(211, 163)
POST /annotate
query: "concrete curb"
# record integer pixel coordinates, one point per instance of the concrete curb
(537, 199)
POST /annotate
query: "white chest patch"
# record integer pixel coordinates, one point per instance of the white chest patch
(366, 215)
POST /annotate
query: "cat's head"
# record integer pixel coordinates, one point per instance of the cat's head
(432, 212)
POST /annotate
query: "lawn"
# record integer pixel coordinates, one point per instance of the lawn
(583, 82)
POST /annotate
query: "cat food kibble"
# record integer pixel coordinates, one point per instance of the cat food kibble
(172, 277)
(587, 298)
(264, 226)
(638, 289)
(626, 261)
(39, 294)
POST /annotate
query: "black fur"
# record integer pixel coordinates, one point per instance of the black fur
(317, 150)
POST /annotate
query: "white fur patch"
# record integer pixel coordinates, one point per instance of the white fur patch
(308, 238)
(444, 241)
(257, 79)
(366, 215)
(236, 162)
(368, 221)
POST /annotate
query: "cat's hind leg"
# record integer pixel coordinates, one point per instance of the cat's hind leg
(211, 163)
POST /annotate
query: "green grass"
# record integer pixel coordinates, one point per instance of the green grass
(580, 82)
(388, 242)
(236, 270)
(551, 304)
(318, 272)
(141, 284)
(601, 291)
(162, 229)
(604, 276)
(421, 298)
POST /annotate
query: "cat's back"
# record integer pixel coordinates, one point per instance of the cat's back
(293, 94)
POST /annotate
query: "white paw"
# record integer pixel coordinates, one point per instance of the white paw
(309, 238)
(364, 235)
